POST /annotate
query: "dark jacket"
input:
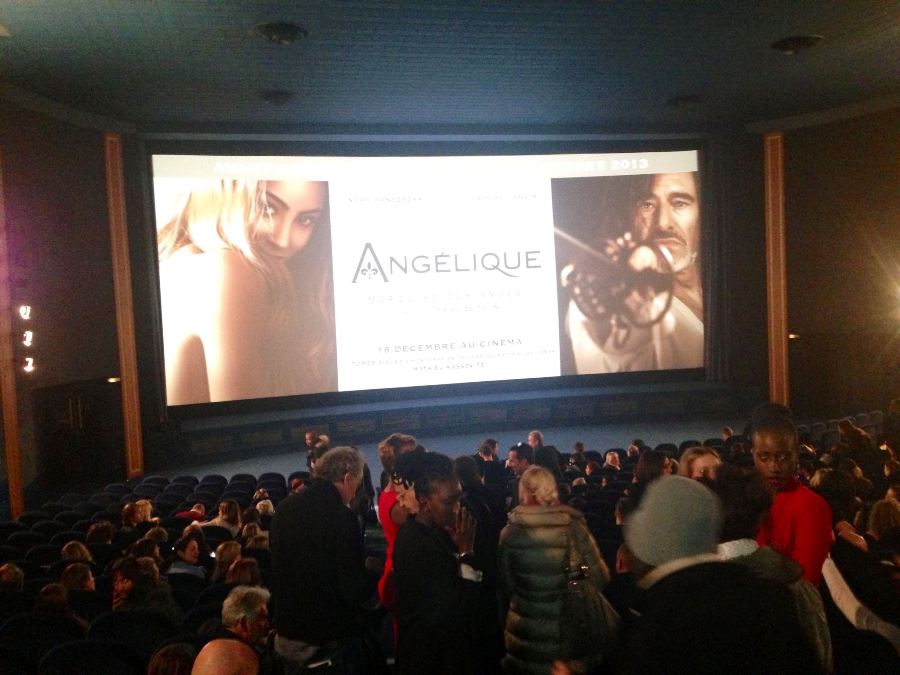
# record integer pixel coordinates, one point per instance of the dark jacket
(716, 617)
(318, 567)
(436, 607)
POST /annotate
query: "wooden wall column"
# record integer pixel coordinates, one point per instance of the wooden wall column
(8, 366)
(118, 228)
(776, 268)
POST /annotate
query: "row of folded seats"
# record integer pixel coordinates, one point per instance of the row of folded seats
(89, 636)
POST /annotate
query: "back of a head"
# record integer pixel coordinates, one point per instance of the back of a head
(884, 517)
(244, 571)
(650, 465)
(745, 499)
(538, 485)
(677, 518)
(524, 451)
(173, 659)
(77, 577)
(243, 602)
(338, 462)
(12, 578)
(226, 657)
(547, 456)
(52, 599)
(467, 471)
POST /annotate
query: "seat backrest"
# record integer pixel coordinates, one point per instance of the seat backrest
(48, 527)
(29, 518)
(43, 554)
(140, 630)
(25, 540)
(36, 634)
(91, 656)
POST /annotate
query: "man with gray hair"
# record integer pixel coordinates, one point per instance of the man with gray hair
(245, 615)
(237, 646)
(318, 569)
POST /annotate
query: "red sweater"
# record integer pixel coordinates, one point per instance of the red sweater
(799, 526)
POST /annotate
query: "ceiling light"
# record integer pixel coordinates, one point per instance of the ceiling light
(796, 43)
(281, 32)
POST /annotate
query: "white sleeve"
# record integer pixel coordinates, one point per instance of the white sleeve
(856, 613)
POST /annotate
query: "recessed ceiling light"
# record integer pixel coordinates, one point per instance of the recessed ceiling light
(281, 32)
(276, 96)
(796, 43)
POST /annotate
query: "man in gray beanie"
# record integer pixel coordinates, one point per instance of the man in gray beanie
(699, 614)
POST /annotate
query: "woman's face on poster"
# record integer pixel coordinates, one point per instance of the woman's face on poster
(292, 209)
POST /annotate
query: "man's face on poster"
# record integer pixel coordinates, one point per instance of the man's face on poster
(669, 216)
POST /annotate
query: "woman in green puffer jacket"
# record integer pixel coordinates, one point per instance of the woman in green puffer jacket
(534, 569)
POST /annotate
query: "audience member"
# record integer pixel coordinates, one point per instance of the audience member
(612, 461)
(699, 462)
(226, 553)
(396, 504)
(438, 585)
(226, 657)
(245, 617)
(145, 548)
(176, 658)
(78, 577)
(389, 450)
(799, 522)
(75, 550)
(651, 465)
(12, 578)
(535, 440)
(318, 567)
(536, 549)
(476, 500)
(136, 585)
(245, 572)
(100, 533)
(196, 512)
(749, 624)
(489, 465)
(229, 517)
(746, 498)
(521, 456)
(187, 558)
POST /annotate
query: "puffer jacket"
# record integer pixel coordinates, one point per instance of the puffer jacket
(533, 563)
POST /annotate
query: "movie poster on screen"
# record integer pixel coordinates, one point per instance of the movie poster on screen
(442, 277)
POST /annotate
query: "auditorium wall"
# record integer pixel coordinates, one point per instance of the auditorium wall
(842, 184)
(58, 238)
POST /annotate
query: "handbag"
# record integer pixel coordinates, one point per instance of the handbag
(589, 623)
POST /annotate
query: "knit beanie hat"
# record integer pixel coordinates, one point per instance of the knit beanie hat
(677, 518)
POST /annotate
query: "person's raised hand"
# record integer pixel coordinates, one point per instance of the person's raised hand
(463, 532)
